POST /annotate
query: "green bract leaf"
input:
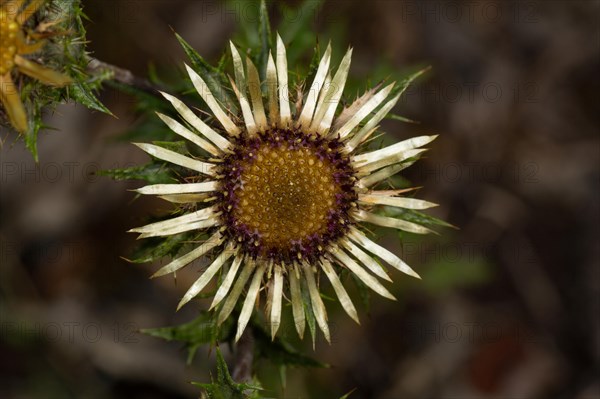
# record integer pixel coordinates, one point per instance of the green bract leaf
(417, 217)
(308, 311)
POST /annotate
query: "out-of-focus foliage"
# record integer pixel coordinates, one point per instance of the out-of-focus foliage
(60, 23)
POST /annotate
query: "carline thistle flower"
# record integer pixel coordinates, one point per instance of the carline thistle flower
(283, 192)
(15, 43)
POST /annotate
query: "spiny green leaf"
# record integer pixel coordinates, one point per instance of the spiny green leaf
(401, 118)
(214, 78)
(153, 173)
(202, 330)
(299, 31)
(304, 16)
(225, 387)
(31, 137)
(280, 352)
(402, 85)
(155, 248)
(266, 40)
(84, 96)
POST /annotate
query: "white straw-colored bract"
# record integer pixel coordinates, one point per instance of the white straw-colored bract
(256, 95)
(311, 98)
(208, 274)
(333, 94)
(282, 82)
(209, 98)
(250, 299)
(177, 159)
(182, 188)
(331, 139)
(227, 281)
(381, 252)
(178, 221)
(367, 167)
(197, 123)
(187, 134)
(386, 152)
(181, 228)
(276, 301)
(366, 260)
(361, 273)
(186, 259)
(400, 202)
(317, 304)
(240, 81)
(340, 291)
(365, 110)
(272, 90)
(236, 291)
(362, 134)
(382, 174)
(394, 223)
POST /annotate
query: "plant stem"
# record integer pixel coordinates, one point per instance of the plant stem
(244, 357)
(121, 75)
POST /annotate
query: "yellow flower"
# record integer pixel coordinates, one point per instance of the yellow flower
(284, 190)
(15, 43)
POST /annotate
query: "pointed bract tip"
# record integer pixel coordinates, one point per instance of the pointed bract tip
(181, 303)
(157, 274)
(238, 335)
(189, 69)
(413, 273)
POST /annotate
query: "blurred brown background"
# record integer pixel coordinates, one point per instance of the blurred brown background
(508, 306)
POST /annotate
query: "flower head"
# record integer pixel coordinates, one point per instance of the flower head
(284, 189)
(15, 43)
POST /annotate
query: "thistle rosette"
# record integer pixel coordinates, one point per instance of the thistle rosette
(282, 190)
